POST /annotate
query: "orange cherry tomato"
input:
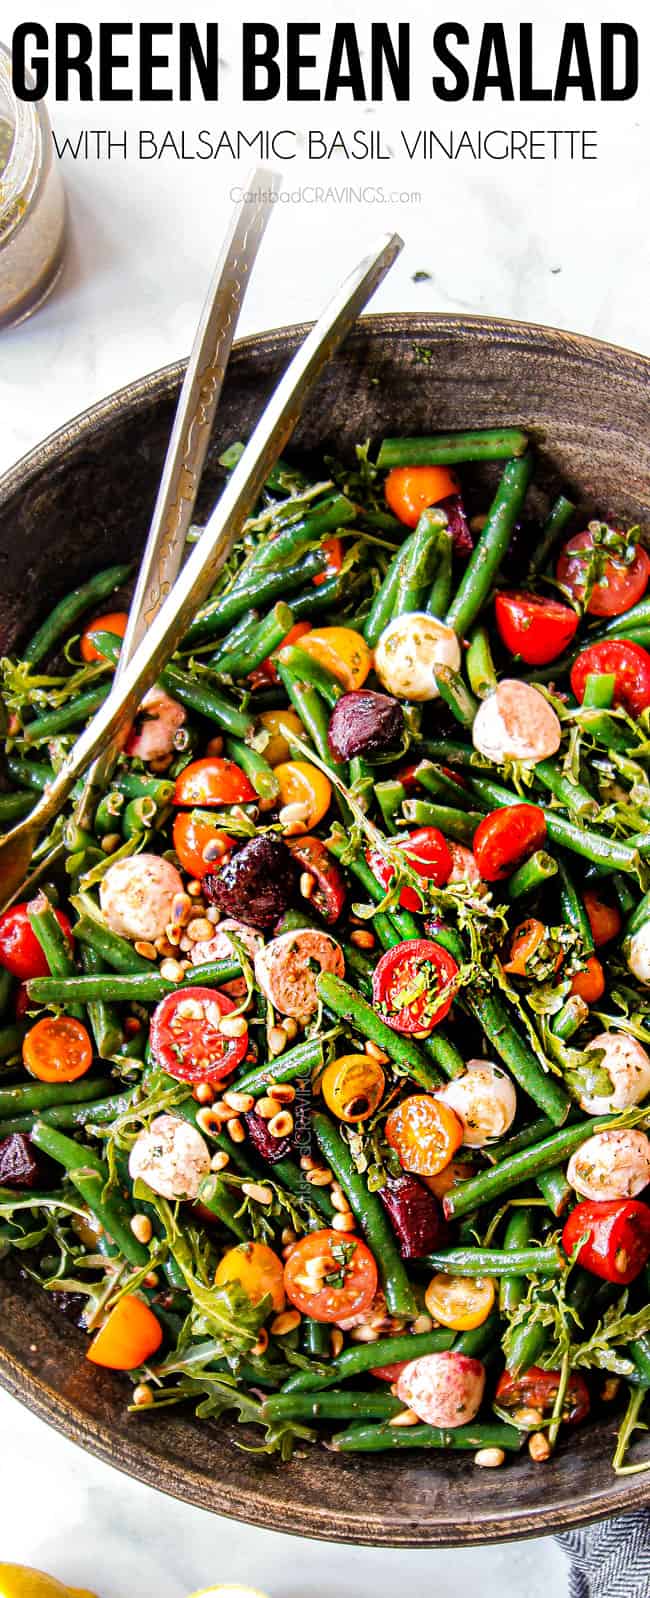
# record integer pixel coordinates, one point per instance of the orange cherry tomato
(114, 622)
(304, 785)
(460, 1302)
(353, 1086)
(267, 671)
(200, 846)
(342, 651)
(345, 1284)
(590, 983)
(527, 938)
(410, 489)
(605, 919)
(57, 1049)
(333, 548)
(425, 1134)
(258, 1271)
(213, 781)
(128, 1338)
(277, 724)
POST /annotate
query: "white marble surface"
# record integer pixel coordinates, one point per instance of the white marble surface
(559, 243)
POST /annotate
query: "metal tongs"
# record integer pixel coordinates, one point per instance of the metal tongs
(166, 600)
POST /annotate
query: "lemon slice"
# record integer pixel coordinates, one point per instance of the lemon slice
(17, 1581)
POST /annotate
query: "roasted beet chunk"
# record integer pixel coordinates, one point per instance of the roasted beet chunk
(415, 1216)
(271, 1148)
(18, 1162)
(365, 723)
(258, 882)
(458, 525)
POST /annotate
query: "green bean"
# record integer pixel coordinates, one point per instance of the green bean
(138, 816)
(498, 1261)
(573, 1014)
(573, 909)
(555, 1189)
(104, 1022)
(486, 558)
(15, 805)
(29, 1097)
(453, 449)
(370, 1215)
(205, 701)
(534, 873)
(523, 1166)
(267, 637)
(365, 1356)
(223, 1203)
(437, 782)
(606, 729)
(309, 670)
(134, 785)
(35, 774)
(406, 924)
(558, 518)
(300, 1061)
(326, 595)
(527, 1342)
(591, 845)
(390, 796)
(127, 989)
(6, 989)
(479, 663)
(238, 637)
(447, 751)
(336, 511)
(355, 962)
(90, 1176)
(11, 1040)
(52, 939)
(316, 1339)
(76, 710)
(637, 616)
(444, 1052)
(479, 1339)
(222, 611)
(522, 1139)
(512, 1289)
(256, 768)
(599, 690)
(439, 598)
(375, 1439)
(311, 710)
(571, 794)
(418, 562)
(457, 824)
(639, 1353)
(333, 1405)
(116, 951)
(381, 609)
(108, 812)
(101, 1113)
(360, 1017)
(456, 695)
(64, 615)
(517, 1055)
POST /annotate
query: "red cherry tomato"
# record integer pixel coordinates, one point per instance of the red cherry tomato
(186, 1040)
(605, 919)
(267, 671)
(617, 1237)
(328, 895)
(390, 1373)
(213, 781)
(413, 985)
(627, 662)
(200, 846)
(536, 1389)
(427, 852)
(536, 628)
(20, 950)
(619, 587)
(411, 489)
(507, 837)
(333, 548)
(346, 1284)
(589, 984)
(114, 622)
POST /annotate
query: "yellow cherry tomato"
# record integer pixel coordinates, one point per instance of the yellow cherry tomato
(17, 1581)
(342, 651)
(353, 1086)
(304, 785)
(460, 1302)
(278, 749)
(257, 1269)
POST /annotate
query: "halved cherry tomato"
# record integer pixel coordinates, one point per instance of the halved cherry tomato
(353, 1087)
(258, 1271)
(129, 1336)
(590, 983)
(20, 950)
(527, 938)
(411, 489)
(328, 894)
(342, 651)
(628, 663)
(507, 837)
(413, 985)
(303, 784)
(347, 1281)
(620, 586)
(277, 750)
(186, 1039)
(460, 1302)
(333, 548)
(616, 1234)
(425, 1134)
(536, 1389)
(57, 1049)
(268, 669)
(427, 852)
(114, 622)
(534, 627)
(389, 1373)
(605, 919)
(213, 781)
(200, 846)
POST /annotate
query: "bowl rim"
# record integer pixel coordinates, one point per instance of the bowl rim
(49, 1404)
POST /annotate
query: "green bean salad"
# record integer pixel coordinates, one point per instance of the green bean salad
(324, 1065)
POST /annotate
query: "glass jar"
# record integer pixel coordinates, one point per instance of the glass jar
(32, 204)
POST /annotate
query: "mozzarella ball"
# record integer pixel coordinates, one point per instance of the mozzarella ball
(286, 969)
(156, 724)
(484, 1099)
(516, 722)
(410, 648)
(611, 1165)
(443, 1389)
(637, 954)
(171, 1157)
(137, 895)
(628, 1066)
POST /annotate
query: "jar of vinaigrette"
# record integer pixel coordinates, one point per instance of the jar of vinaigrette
(32, 204)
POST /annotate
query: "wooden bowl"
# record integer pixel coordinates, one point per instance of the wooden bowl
(82, 500)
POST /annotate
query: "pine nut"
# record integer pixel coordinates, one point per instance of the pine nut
(145, 948)
(111, 841)
(256, 1191)
(209, 1121)
(362, 939)
(285, 1323)
(490, 1458)
(266, 1108)
(262, 1343)
(539, 1447)
(527, 1417)
(344, 1223)
(198, 930)
(423, 1323)
(142, 1395)
(151, 1279)
(219, 1160)
(214, 850)
(307, 884)
(339, 1199)
(406, 1417)
(173, 936)
(292, 817)
(213, 915)
(282, 1092)
(233, 1026)
(336, 1342)
(221, 1109)
(307, 1161)
(318, 1265)
(164, 949)
(288, 1237)
(477, 523)
(320, 1177)
(203, 1093)
(290, 1026)
(172, 971)
(241, 1103)
(610, 1389)
(235, 1130)
(375, 1052)
(193, 887)
(364, 1334)
(181, 907)
(141, 1228)
(281, 1125)
(277, 1040)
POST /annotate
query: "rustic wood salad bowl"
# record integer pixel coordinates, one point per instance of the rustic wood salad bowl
(68, 509)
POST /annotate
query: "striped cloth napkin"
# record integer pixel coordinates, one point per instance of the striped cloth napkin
(611, 1560)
